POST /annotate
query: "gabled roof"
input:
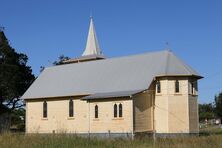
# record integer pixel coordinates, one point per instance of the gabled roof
(121, 74)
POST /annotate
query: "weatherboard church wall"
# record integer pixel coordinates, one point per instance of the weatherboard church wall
(175, 112)
(58, 119)
(167, 112)
(143, 112)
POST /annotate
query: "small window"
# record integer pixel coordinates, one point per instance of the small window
(120, 110)
(194, 87)
(44, 109)
(158, 87)
(96, 111)
(71, 108)
(115, 110)
(177, 86)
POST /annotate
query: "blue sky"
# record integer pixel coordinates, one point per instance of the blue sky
(45, 29)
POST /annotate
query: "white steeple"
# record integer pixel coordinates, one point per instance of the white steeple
(92, 45)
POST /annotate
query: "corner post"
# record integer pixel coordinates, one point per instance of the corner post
(132, 122)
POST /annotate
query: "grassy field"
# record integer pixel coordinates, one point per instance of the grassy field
(212, 138)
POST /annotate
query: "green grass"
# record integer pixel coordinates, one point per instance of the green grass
(211, 130)
(9, 140)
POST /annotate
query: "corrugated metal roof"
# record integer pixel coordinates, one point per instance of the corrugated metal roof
(112, 94)
(110, 75)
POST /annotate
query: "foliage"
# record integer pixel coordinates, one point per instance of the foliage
(15, 75)
(206, 111)
(211, 110)
(60, 60)
(218, 105)
(3, 109)
(18, 119)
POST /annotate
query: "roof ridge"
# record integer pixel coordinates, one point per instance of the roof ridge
(112, 58)
(185, 66)
(167, 62)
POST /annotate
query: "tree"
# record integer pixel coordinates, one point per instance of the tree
(60, 60)
(18, 119)
(15, 75)
(206, 111)
(218, 105)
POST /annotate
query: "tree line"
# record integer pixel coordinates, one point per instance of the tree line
(211, 110)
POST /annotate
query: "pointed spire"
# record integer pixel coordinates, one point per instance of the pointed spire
(92, 45)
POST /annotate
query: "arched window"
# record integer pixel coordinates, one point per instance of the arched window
(177, 86)
(70, 108)
(44, 109)
(158, 87)
(120, 110)
(115, 110)
(96, 111)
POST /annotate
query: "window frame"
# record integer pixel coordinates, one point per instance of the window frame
(45, 109)
(115, 110)
(194, 88)
(96, 111)
(177, 86)
(120, 110)
(71, 108)
(158, 87)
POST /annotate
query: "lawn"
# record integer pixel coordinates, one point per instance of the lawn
(9, 140)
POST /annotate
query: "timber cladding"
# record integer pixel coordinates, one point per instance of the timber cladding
(83, 121)
(193, 114)
(143, 112)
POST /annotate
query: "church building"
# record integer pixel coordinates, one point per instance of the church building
(153, 92)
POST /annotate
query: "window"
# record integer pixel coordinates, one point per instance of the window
(120, 110)
(44, 109)
(158, 87)
(70, 108)
(194, 88)
(115, 110)
(177, 86)
(96, 111)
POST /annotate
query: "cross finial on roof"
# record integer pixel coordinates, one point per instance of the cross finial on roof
(168, 46)
(92, 45)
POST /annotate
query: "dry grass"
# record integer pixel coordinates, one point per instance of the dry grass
(9, 140)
